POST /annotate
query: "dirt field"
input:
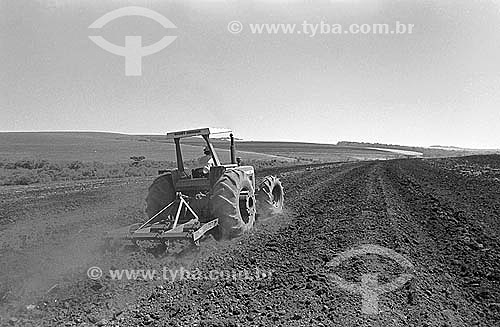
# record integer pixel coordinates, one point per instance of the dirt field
(443, 221)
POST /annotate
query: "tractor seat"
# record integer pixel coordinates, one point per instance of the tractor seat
(198, 173)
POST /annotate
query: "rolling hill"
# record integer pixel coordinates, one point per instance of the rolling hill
(114, 147)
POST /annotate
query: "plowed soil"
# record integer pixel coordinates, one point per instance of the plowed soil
(445, 222)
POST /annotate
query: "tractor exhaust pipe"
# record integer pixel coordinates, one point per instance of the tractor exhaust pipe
(233, 149)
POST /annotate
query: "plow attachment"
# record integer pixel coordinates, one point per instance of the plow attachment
(164, 230)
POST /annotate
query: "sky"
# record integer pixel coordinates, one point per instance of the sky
(439, 85)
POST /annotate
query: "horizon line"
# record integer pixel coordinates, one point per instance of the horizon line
(247, 140)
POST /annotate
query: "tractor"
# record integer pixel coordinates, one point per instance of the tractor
(222, 200)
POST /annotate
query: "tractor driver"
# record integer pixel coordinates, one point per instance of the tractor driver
(206, 161)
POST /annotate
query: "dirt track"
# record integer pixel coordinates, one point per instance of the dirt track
(444, 222)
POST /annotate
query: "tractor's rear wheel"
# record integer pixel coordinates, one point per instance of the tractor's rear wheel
(160, 194)
(270, 198)
(233, 203)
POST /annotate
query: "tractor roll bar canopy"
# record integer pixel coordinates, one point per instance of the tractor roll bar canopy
(196, 132)
(205, 133)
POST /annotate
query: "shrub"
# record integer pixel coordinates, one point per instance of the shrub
(75, 165)
(22, 179)
(26, 164)
(10, 165)
(44, 177)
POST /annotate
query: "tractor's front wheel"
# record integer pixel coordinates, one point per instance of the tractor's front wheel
(233, 203)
